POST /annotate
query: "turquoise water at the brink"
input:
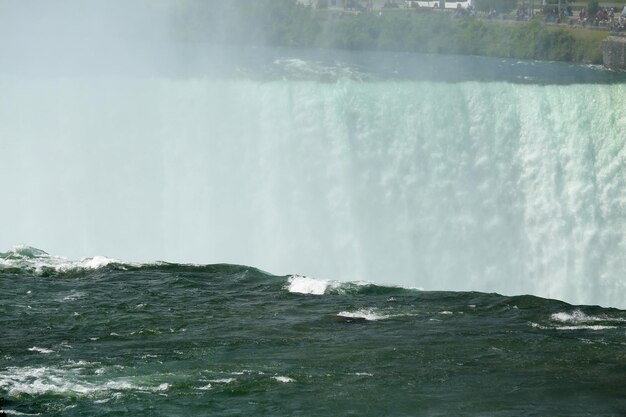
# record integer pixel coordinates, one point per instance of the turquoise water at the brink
(102, 338)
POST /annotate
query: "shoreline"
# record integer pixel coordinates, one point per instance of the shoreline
(433, 31)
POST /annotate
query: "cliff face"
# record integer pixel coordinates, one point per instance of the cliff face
(614, 52)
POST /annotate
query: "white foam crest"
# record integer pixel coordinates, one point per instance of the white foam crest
(33, 381)
(585, 327)
(283, 379)
(223, 380)
(369, 314)
(40, 350)
(306, 285)
(36, 260)
(17, 413)
(74, 295)
(97, 262)
(40, 380)
(577, 316)
(104, 401)
(593, 327)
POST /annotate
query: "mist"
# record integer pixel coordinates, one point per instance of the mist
(70, 37)
(123, 135)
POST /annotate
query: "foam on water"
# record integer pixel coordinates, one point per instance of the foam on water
(579, 320)
(37, 261)
(70, 379)
(17, 413)
(74, 295)
(579, 317)
(594, 327)
(223, 380)
(576, 316)
(40, 350)
(283, 379)
(369, 314)
(579, 327)
(299, 348)
(306, 285)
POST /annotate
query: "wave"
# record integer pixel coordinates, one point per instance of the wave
(367, 314)
(305, 285)
(72, 379)
(594, 327)
(30, 260)
(33, 260)
(383, 301)
(301, 284)
(579, 318)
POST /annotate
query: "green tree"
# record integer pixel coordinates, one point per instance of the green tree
(501, 6)
(592, 8)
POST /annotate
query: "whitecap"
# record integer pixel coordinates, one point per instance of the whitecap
(40, 350)
(585, 327)
(283, 379)
(74, 295)
(37, 261)
(579, 317)
(577, 327)
(17, 413)
(104, 401)
(40, 380)
(576, 316)
(97, 262)
(223, 380)
(305, 285)
(161, 387)
(368, 314)
(34, 381)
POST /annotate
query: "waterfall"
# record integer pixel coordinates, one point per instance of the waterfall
(487, 186)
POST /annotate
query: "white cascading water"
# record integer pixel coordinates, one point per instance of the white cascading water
(493, 187)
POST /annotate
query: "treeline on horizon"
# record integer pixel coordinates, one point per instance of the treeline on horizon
(289, 23)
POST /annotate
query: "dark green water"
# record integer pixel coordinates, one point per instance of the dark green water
(108, 339)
